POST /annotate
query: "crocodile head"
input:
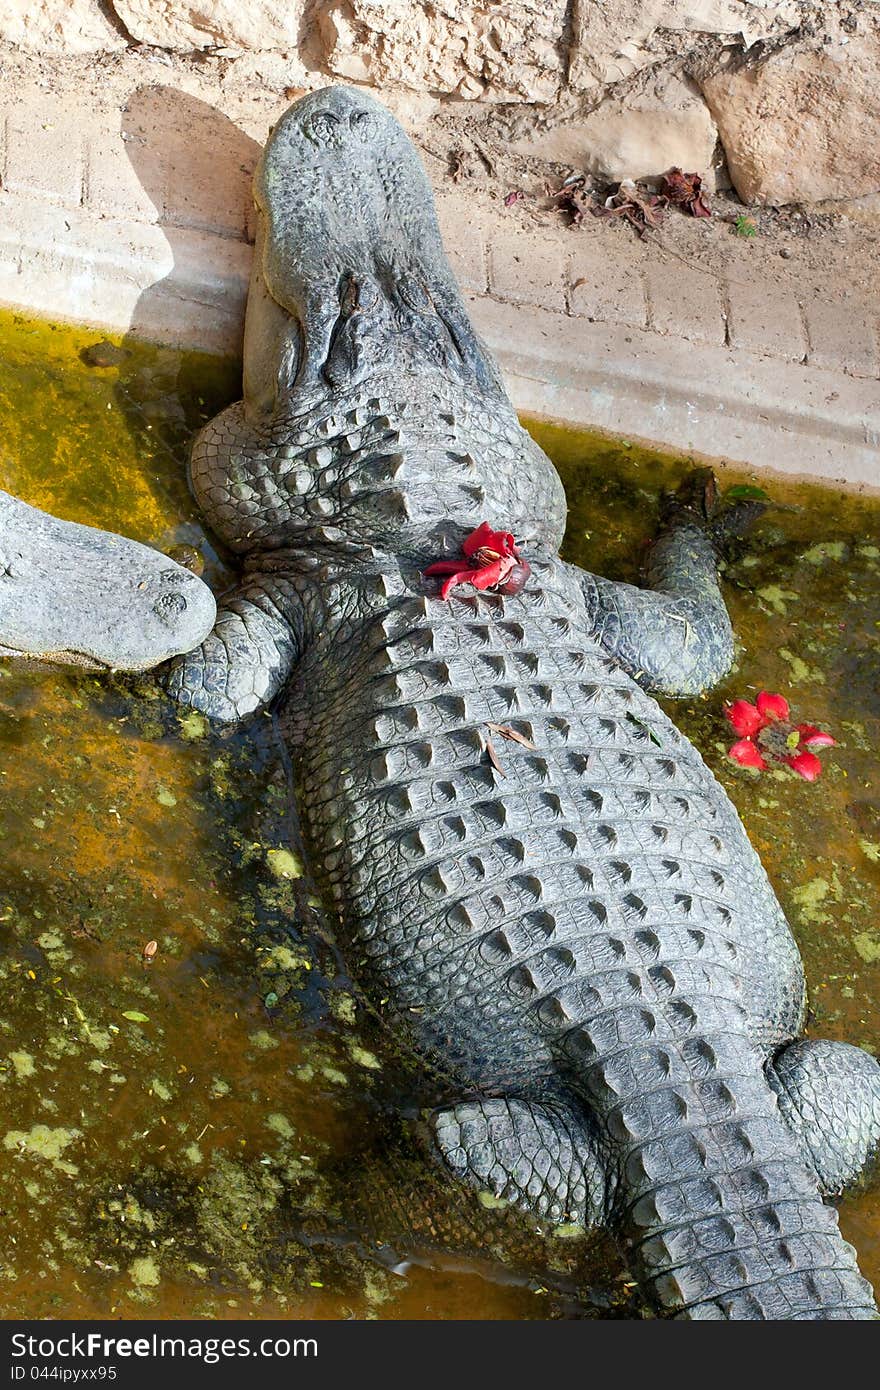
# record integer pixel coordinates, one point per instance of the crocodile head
(73, 594)
(372, 412)
(349, 245)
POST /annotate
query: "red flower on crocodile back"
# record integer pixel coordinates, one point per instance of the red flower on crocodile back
(767, 733)
(491, 561)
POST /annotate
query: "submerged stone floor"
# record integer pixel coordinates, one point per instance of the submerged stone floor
(209, 1129)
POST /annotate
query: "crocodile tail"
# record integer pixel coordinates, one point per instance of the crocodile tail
(720, 1215)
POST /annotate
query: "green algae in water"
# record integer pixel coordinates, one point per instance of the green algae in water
(44, 1143)
(284, 864)
(171, 1126)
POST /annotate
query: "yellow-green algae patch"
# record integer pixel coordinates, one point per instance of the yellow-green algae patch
(192, 724)
(145, 1272)
(801, 673)
(284, 863)
(281, 1125)
(44, 1142)
(808, 897)
(825, 550)
(491, 1202)
(777, 598)
(238, 1109)
(363, 1058)
(868, 946)
(23, 1064)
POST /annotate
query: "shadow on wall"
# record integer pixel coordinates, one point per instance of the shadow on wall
(196, 167)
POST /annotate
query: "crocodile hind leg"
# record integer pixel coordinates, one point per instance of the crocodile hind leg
(540, 1158)
(829, 1096)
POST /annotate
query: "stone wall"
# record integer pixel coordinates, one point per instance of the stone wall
(781, 97)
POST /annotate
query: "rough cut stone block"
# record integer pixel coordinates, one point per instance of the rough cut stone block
(766, 322)
(842, 333)
(193, 163)
(528, 269)
(611, 39)
(512, 50)
(58, 26)
(44, 157)
(212, 202)
(804, 125)
(112, 188)
(233, 24)
(465, 242)
(666, 124)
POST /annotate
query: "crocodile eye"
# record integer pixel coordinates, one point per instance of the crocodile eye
(323, 129)
(415, 294)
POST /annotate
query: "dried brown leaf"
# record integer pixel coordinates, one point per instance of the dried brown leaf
(520, 738)
(642, 211)
(572, 198)
(506, 731)
(493, 758)
(460, 165)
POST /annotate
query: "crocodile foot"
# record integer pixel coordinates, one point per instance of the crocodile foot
(829, 1096)
(540, 1158)
(697, 502)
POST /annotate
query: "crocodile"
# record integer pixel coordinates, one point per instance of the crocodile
(536, 879)
(75, 595)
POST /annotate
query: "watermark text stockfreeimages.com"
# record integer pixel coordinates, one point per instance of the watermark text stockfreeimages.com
(210, 1350)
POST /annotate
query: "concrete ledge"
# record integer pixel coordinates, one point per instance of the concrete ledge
(187, 288)
(169, 284)
(716, 401)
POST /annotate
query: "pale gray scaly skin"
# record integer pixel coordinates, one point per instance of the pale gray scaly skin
(74, 594)
(580, 941)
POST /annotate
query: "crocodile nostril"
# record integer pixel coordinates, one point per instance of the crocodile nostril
(325, 128)
(332, 129)
(169, 606)
(363, 125)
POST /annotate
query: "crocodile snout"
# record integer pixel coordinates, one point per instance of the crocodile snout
(72, 593)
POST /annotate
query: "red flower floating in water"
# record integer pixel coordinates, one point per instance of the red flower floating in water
(492, 562)
(766, 732)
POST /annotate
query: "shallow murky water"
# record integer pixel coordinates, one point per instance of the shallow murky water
(213, 1132)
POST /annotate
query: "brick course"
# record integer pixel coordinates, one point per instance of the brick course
(140, 219)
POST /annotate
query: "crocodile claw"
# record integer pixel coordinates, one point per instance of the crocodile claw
(697, 502)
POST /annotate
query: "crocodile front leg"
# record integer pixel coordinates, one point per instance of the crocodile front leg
(674, 638)
(243, 662)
